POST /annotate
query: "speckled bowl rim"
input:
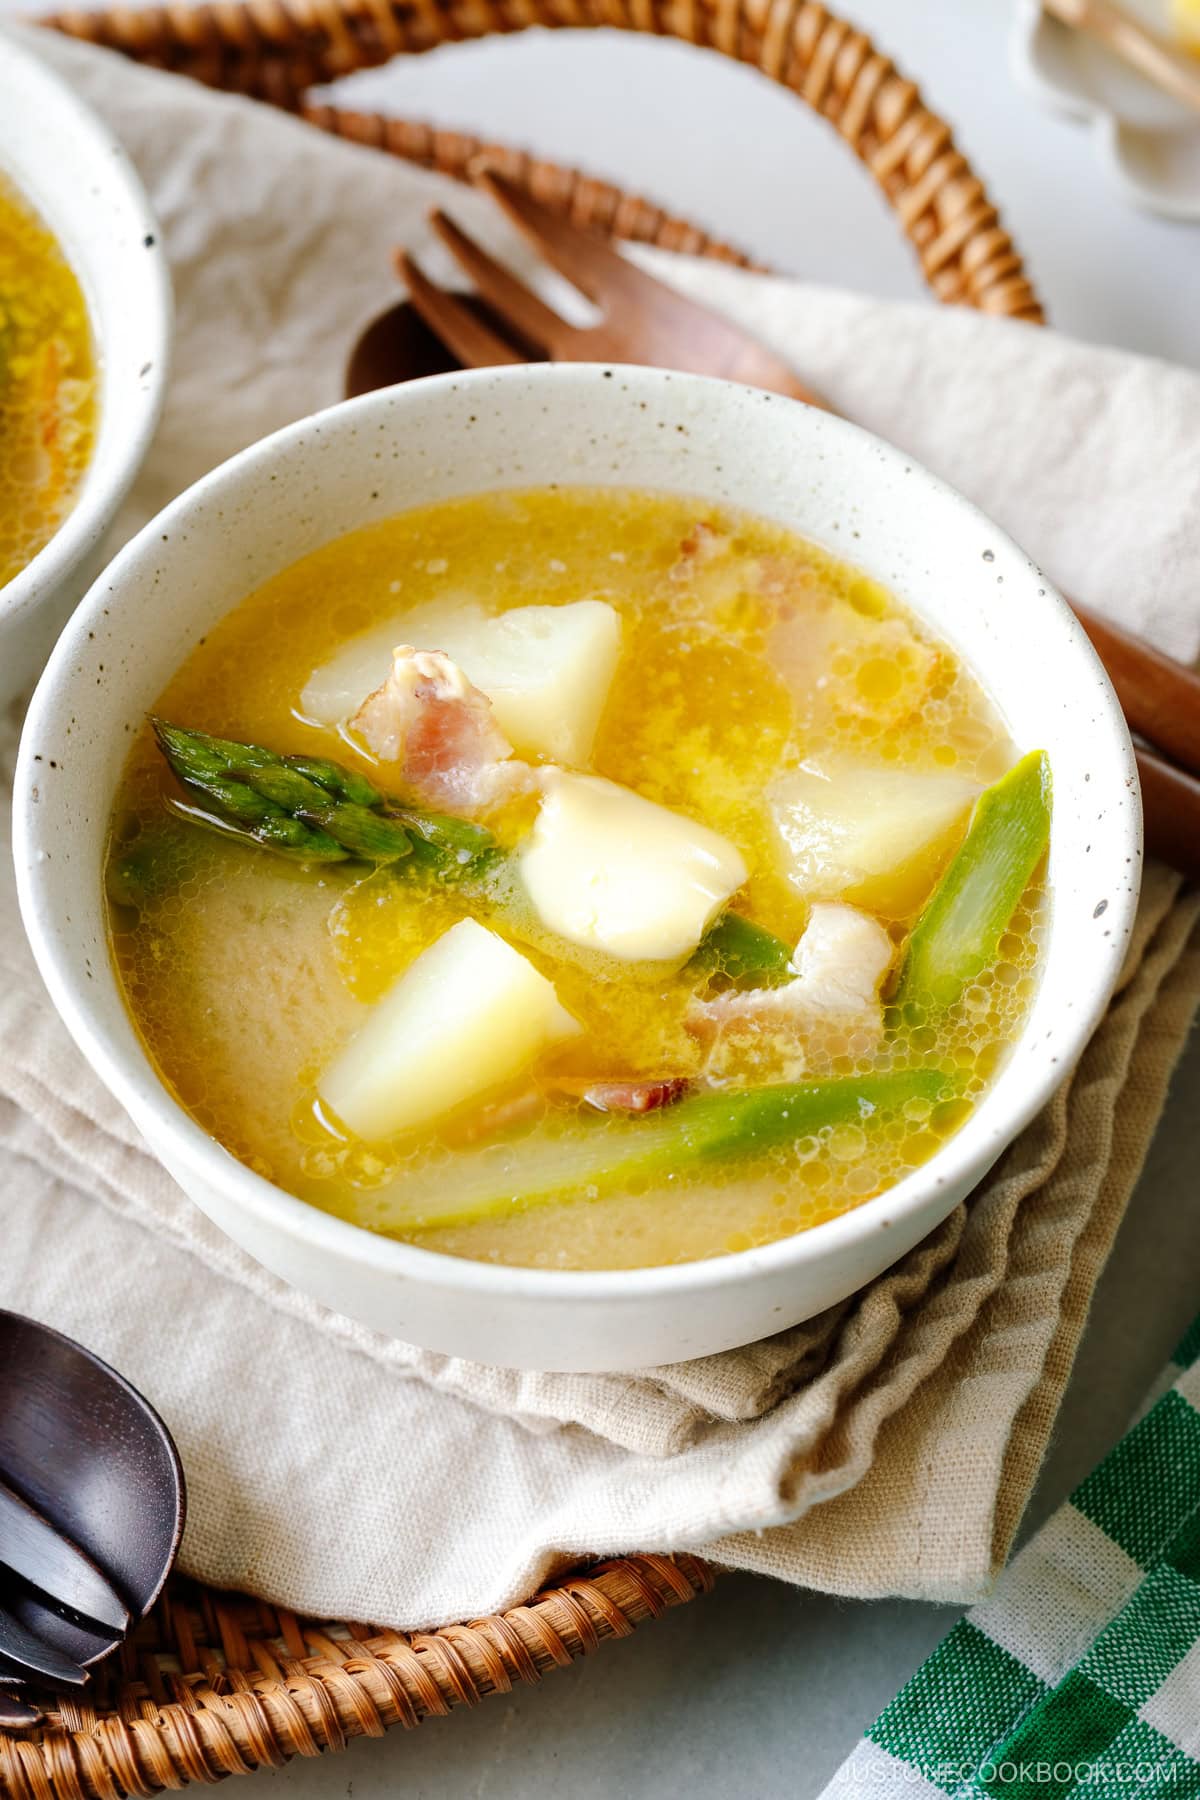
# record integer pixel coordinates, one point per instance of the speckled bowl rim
(1006, 1109)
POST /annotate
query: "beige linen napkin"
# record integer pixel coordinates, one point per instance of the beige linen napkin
(888, 1446)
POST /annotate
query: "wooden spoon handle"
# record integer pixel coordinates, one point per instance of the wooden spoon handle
(1161, 697)
(1171, 805)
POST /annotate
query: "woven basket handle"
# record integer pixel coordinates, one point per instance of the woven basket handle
(276, 50)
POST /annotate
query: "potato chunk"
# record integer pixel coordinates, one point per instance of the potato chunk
(872, 832)
(468, 1014)
(613, 872)
(546, 669)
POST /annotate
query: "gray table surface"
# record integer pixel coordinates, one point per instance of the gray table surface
(760, 1689)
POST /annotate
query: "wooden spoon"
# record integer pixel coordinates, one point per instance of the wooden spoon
(397, 346)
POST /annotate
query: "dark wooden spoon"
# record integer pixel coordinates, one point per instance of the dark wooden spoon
(398, 346)
(82, 1448)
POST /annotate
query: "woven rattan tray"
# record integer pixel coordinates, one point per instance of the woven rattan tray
(277, 50)
(219, 1684)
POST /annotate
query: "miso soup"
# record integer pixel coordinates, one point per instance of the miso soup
(47, 385)
(577, 878)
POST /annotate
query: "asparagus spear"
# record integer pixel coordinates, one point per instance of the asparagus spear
(958, 933)
(594, 1159)
(442, 833)
(313, 810)
(301, 806)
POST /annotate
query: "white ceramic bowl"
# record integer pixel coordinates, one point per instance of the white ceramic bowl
(66, 164)
(515, 427)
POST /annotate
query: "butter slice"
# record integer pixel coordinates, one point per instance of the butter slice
(469, 1013)
(618, 874)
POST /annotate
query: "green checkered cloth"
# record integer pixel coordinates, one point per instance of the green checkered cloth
(1080, 1675)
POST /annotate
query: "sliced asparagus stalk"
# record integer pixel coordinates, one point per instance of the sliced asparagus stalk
(595, 1159)
(736, 947)
(303, 807)
(139, 873)
(958, 933)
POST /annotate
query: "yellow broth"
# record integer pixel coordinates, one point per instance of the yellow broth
(245, 973)
(47, 385)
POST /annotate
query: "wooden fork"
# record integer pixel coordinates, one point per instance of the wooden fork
(645, 321)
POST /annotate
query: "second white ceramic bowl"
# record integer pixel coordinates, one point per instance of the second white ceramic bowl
(518, 427)
(65, 163)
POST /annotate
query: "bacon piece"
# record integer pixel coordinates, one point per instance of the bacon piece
(702, 543)
(501, 1115)
(844, 663)
(841, 960)
(632, 1096)
(527, 1104)
(437, 728)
